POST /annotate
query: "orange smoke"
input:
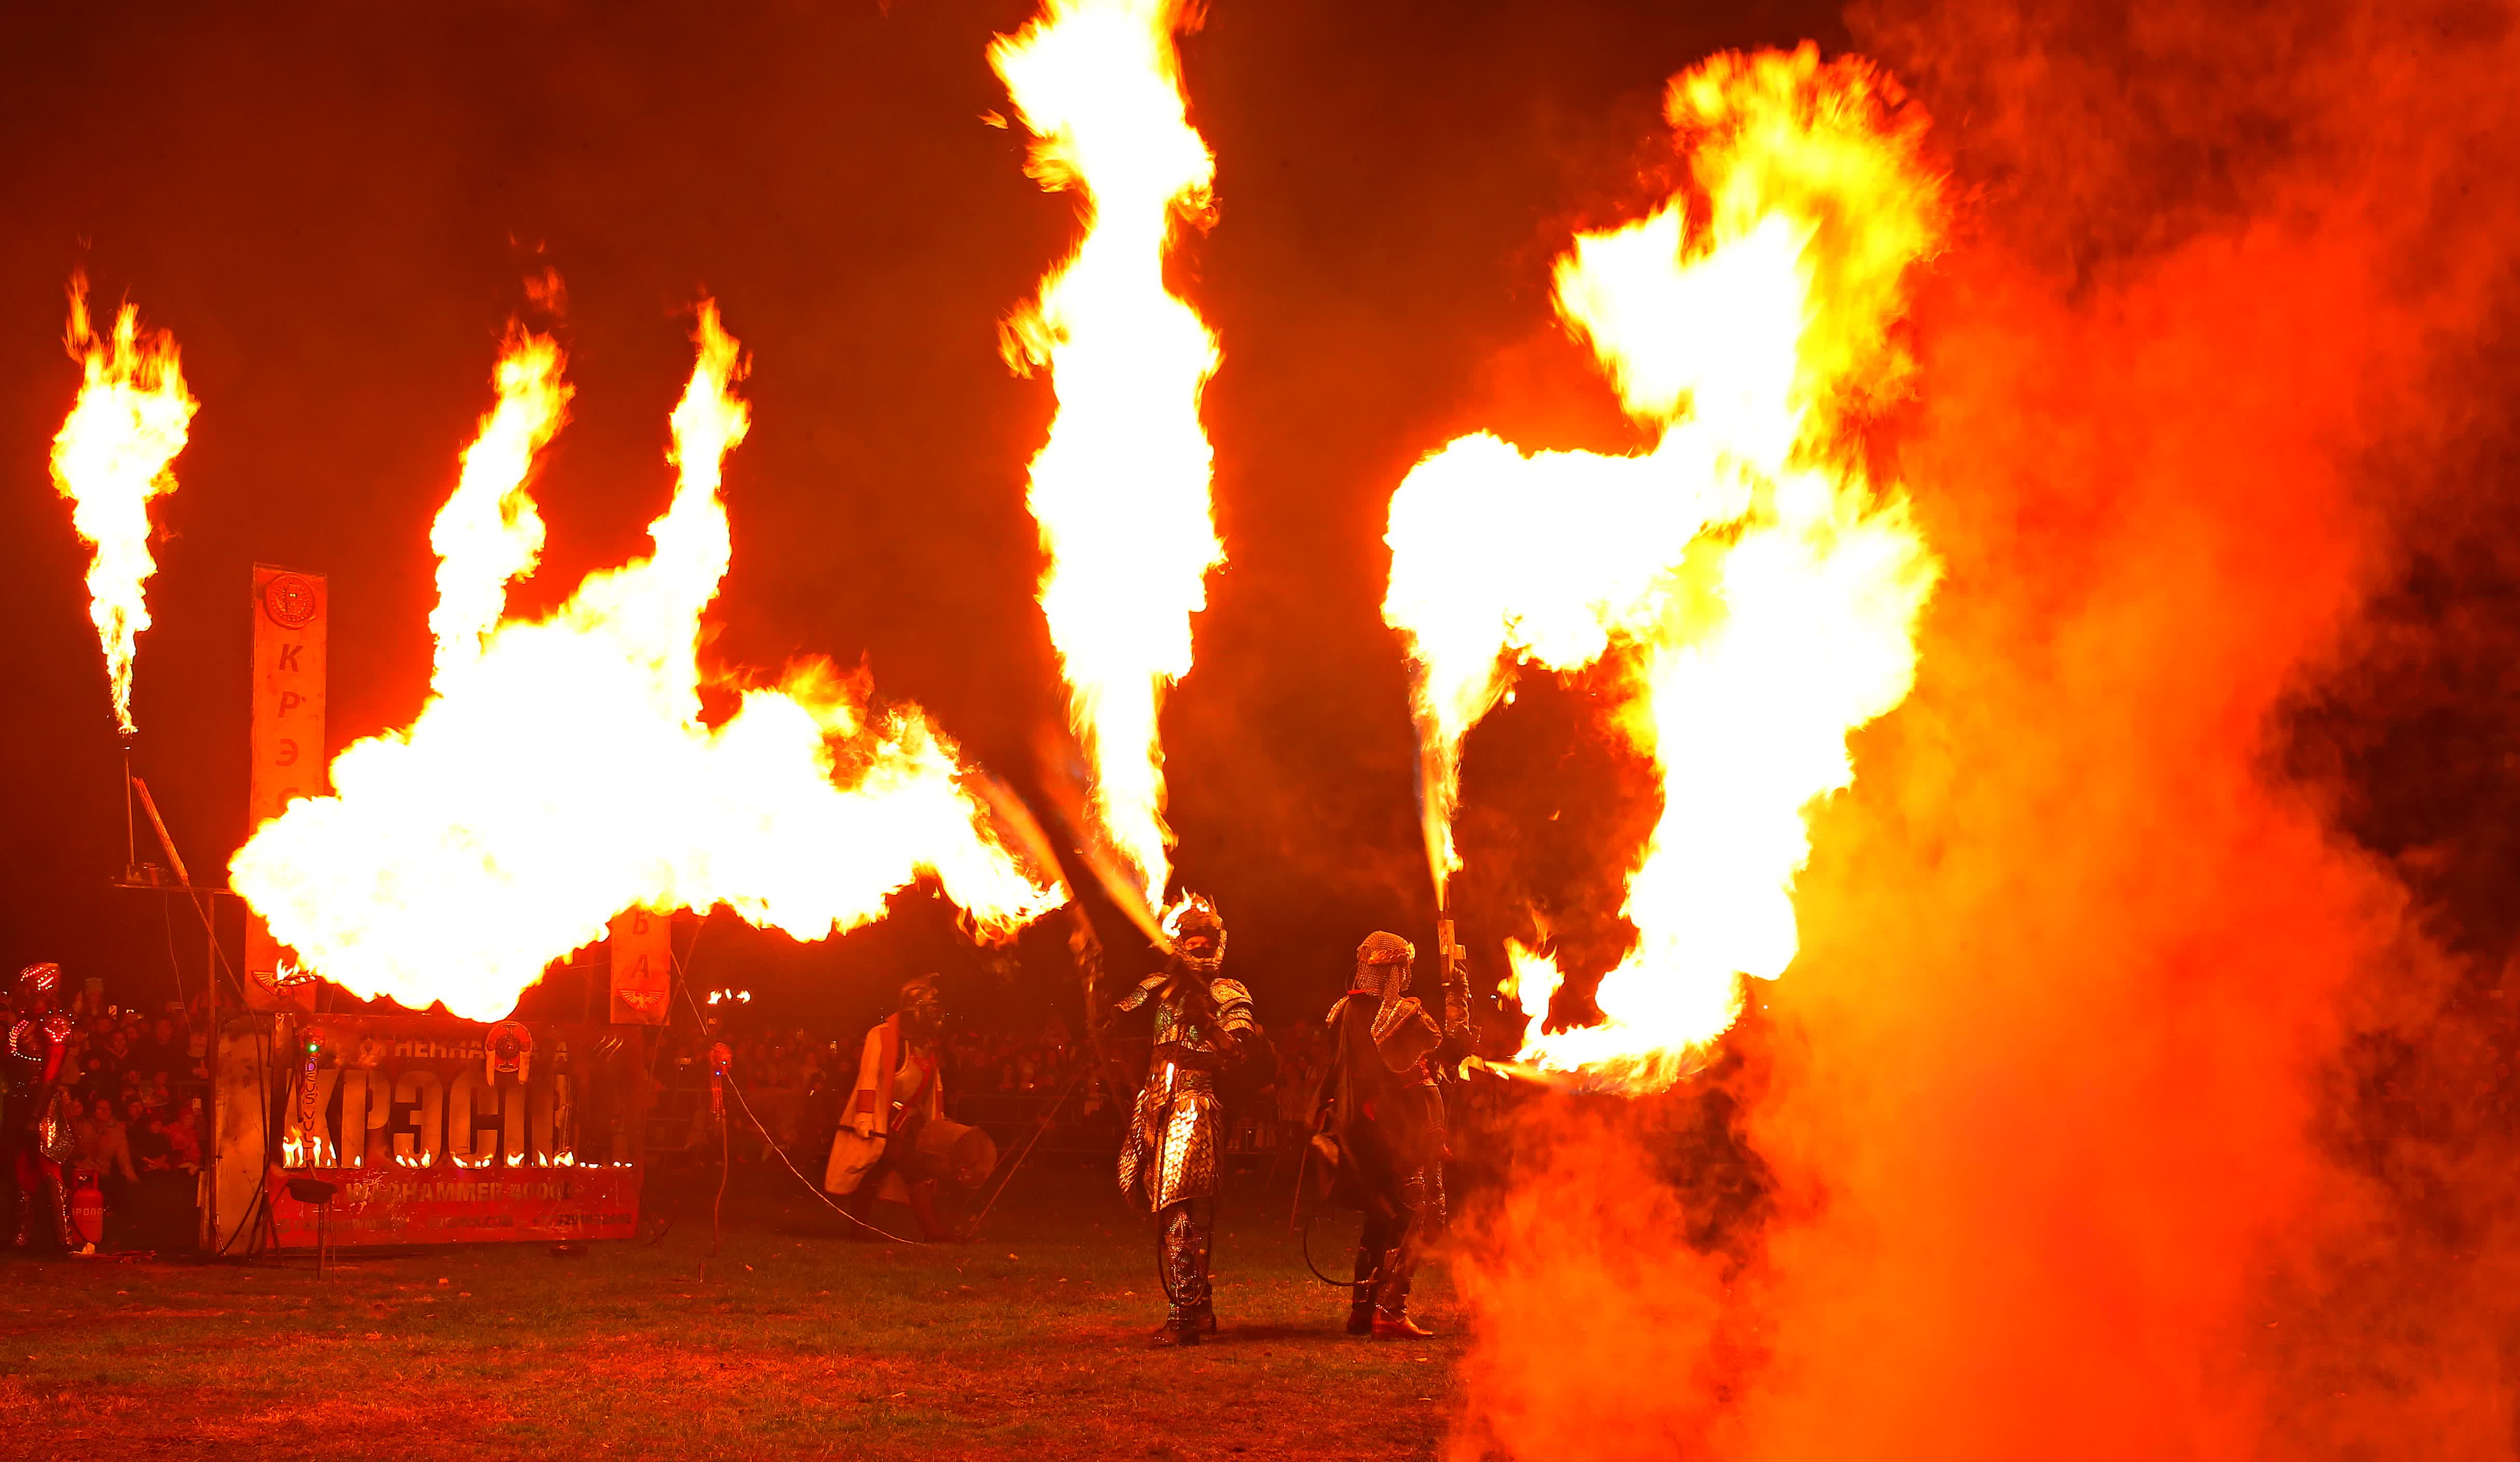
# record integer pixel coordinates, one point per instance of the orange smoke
(562, 773)
(110, 459)
(1763, 593)
(1120, 490)
(2049, 1129)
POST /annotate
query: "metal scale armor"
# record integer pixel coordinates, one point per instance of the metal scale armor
(1203, 1025)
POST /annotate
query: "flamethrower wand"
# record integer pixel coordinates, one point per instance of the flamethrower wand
(1434, 823)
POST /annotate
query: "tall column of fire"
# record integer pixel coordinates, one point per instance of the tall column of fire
(1120, 490)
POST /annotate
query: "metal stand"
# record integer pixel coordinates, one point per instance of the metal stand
(318, 1192)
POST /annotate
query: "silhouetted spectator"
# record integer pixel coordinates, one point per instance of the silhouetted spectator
(150, 1148)
(161, 1052)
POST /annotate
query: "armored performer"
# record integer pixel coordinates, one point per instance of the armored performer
(1387, 1118)
(37, 1130)
(1204, 1033)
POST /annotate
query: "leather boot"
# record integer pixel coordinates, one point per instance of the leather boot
(922, 1206)
(1391, 1303)
(859, 1204)
(1360, 1296)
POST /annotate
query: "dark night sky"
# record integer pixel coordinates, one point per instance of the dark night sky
(333, 211)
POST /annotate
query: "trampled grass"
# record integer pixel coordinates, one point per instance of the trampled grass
(1028, 1344)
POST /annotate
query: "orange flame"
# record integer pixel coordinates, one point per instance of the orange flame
(1763, 592)
(562, 773)
(488, 533)
(1120, 490)
(111, 458)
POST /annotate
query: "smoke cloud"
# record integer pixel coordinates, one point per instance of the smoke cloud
(2139, 1089)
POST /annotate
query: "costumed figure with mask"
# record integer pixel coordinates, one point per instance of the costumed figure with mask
(1385, 1112)
(37, 1126)
(900, 1089)
(1204, 1033)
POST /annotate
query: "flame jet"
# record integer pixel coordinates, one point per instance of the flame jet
(110, 459)
(560, 772)
(1120, 490)
(1761, 593)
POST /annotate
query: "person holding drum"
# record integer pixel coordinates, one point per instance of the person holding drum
(894, 1139)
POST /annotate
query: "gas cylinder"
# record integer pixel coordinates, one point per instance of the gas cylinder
(87, 1210)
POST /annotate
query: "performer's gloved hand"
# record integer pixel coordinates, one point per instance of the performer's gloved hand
(866, 1124)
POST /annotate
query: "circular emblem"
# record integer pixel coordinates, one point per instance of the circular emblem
(289, 600)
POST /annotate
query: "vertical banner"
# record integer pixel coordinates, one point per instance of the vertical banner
(643, 964)
(289, 614)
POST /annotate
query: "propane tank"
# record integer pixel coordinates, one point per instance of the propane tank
(87, 1212)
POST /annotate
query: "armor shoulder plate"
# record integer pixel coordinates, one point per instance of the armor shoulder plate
(1145, 992)
(1233, 1005)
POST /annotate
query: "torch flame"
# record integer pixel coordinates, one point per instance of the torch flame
(1763, 591)
(110, 459)
(562, 773)
(1120, 490)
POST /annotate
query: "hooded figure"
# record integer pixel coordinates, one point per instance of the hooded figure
(1203, 1031)
(1386, 1116)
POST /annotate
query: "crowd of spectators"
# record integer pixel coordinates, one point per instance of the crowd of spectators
(137, 1085)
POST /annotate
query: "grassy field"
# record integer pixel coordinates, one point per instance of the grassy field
(1028, 1343)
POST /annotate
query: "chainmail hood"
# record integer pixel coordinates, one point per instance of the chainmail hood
(1382, 966)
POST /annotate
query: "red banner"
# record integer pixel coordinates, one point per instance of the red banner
(289, 615)
(642, 961)
(460, 1205)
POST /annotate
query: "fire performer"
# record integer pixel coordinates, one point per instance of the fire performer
(39, 1130)
(1205, 1031)
(900, 1090)
(1387, 1118)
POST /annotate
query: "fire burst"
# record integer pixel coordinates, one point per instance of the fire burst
(1762, 591)
(110, 459)
(562, 773)
(1120, 489)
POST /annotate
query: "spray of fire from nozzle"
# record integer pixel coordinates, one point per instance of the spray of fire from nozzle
(112, 458)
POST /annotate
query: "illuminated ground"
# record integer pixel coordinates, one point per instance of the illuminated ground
(1028, 1344)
